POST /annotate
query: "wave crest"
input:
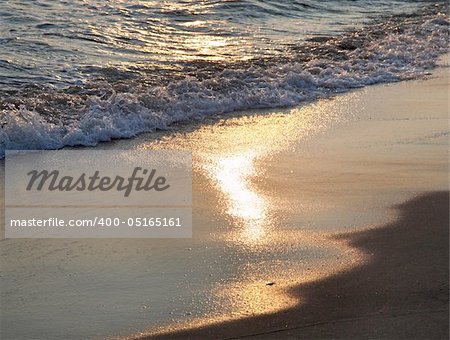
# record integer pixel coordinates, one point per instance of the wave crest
(397, 49)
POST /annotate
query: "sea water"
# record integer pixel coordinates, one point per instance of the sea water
(85, 71)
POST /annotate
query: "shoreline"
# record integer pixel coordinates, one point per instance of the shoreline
(401, 165)
(307, 69)
(270, 188)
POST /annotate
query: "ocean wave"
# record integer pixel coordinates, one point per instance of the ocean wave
(394, 49)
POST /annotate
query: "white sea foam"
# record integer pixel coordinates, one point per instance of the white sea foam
(395, 57)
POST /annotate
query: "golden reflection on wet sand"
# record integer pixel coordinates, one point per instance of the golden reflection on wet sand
(245, 205)
(234, 168)
(230, 154)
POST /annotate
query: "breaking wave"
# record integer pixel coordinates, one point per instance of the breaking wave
(388, 50)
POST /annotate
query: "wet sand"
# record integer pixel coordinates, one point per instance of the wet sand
(400, 293)
(274, 192)
(376, 182)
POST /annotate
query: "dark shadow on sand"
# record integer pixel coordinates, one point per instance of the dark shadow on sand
(401, 293)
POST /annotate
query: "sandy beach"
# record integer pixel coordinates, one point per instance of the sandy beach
(329, 220)
(210, 169)
(375, 180)
(401, 293)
